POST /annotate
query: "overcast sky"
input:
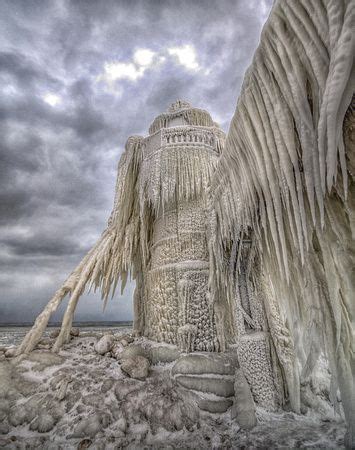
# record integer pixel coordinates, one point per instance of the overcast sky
(76, 79)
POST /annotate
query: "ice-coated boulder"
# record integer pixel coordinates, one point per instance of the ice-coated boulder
(210, 377)
(105, 344)
(55, 333)
(215, 385)
(243, 409)
(117, 350)
(201, 363)
(216, 405)
(136, 367)
(164, 353)
(89, 426)
(74, 332)
(17, 415)
(45, 341)
(125, 337)
(43, 423)
(10, 352)
(134, 350)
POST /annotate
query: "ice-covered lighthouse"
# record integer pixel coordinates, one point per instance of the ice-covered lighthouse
(179, 156)
(163, 232)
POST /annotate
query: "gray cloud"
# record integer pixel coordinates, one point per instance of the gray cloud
(63, 127)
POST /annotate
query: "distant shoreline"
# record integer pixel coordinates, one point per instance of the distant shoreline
(75, 324)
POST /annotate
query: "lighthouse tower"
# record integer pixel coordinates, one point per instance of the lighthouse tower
(178, 159)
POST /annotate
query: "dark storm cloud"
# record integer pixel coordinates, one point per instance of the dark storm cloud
(71, 92)
(43, 246)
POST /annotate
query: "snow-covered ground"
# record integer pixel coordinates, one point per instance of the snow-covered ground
(79, 399)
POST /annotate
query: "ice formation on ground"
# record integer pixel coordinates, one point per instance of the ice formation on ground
(79, 399)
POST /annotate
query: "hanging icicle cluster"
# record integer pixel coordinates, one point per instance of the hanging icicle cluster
(177, 174)
(287, 175)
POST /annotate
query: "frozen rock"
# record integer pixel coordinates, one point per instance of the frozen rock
(104, 344)
(2, 357)
(136, 367)
(55, 333)
(17, 415)
(164, 354)
(210, 376)
(44, 346)
(45, 341)
(216, 405)
(43, 423)
(165, 405)
(134, 350)
(74, 332)
(126, 337)
(243, 409)
(209, 402)
(32, 407)
(220, 364)
(10, 352)
(91, 426)
(123, 342)
(218, 386)
(117, 350)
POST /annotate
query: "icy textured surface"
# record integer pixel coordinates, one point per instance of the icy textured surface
(49, 400)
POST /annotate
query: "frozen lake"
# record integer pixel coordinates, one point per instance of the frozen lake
(13, 335)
